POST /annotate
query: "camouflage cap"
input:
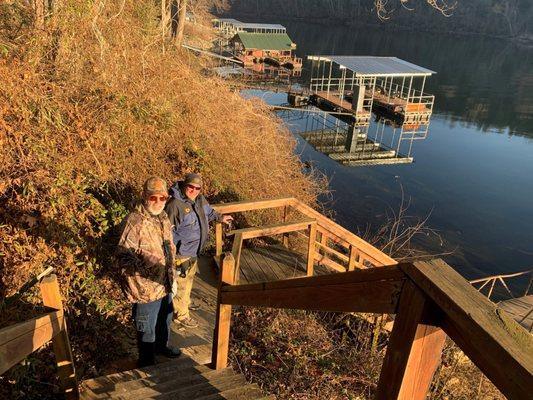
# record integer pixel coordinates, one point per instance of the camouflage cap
(154, 185)
(194, 179)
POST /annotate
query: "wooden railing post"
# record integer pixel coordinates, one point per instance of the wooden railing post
(285, 235)
(353, 256)
(218, 242)
(223, 316)
(236, 253)
(311, 249)
(61, 344)
(414, 349)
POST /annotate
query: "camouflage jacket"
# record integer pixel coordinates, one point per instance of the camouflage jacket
(140, 256)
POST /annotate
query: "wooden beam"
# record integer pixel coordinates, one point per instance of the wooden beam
(270, 230)
(353, 258)
(357, 291)
(236, 253)
(20, 340)
(414, 349)
(328, 262)
(61, 344)
(285, 235)
(242, 206)
(311, 249)
(223, 316)
(219, 241)
(328, 235)
(357, 276)
(336, 253)
(498, 345)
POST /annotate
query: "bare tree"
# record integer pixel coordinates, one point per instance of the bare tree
(182, 13)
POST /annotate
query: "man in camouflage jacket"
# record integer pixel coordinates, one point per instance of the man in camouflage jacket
(145, 257)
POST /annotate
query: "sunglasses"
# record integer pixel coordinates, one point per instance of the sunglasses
(157, 198)
(194, 187)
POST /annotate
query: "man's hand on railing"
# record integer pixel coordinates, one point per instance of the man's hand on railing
(227, 219)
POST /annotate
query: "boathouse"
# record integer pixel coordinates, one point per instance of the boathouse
(351, 89)
(362, 84)
(230, 27)
(273, 48)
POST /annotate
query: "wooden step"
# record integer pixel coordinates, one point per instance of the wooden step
(184, 374)
(103, 383)
(195, 387)
(241, 393)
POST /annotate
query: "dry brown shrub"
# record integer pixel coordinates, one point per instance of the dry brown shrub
(89, 108)
(313, 355)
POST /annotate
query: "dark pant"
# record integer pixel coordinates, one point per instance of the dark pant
(152, 321)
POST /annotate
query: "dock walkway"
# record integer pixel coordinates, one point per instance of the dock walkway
(520, 309)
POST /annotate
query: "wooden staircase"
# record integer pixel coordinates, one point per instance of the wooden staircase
(177, 379)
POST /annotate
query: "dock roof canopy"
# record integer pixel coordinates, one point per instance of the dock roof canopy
(264, 41)
(260, 26)
(375, 66)
(250, 25)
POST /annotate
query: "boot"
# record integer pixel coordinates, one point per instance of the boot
(146, 354)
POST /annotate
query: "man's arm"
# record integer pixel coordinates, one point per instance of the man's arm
(127, 253)
(213, 215)
(174, 217)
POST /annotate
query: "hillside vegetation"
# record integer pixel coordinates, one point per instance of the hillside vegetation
(91, 105)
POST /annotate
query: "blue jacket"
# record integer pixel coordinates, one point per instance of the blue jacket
(189, 220)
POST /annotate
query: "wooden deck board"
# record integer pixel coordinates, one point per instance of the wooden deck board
(520, 309)
(270, 270)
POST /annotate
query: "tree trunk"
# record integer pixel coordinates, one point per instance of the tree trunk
(182, 11)
(165, 17)
(39, 6)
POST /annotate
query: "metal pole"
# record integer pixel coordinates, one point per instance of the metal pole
(422, 90)
(343, 83)
(329, 78)
(409, 91)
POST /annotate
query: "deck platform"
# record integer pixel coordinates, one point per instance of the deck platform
(331, 101)
(520, 309)
(258, 264)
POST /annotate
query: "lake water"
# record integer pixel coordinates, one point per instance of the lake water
(474, 172)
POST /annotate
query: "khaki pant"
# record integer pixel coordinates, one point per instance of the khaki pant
(182, 296)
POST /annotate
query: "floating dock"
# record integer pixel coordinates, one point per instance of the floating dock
(352, 89)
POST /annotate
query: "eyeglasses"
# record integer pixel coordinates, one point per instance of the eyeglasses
(192, 187)
(157, 198)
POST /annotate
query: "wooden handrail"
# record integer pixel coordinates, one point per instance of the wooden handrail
(497, 344)
(271, 230)
(242, 206)
(360, 252)
(429, 300)
(372, 252)
(501, 278)
(20, 340)
(371, 290)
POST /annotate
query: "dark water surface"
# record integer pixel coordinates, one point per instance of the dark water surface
(474, 173)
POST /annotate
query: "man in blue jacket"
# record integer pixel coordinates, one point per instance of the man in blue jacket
(189, 214)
